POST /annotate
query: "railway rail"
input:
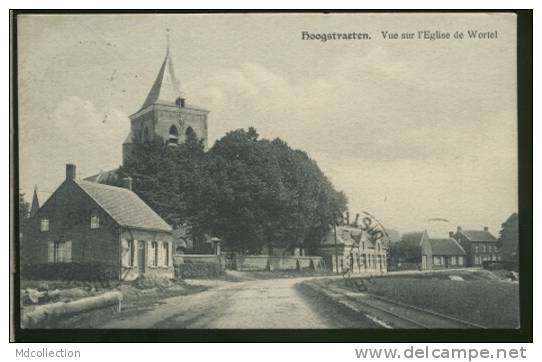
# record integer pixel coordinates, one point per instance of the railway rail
(392, 314)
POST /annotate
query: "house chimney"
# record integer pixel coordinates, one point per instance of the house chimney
(70, 171)
(348, 218)
(459, 229)
(486, 228)
(357, 219)
(451, 233)
(127, 183)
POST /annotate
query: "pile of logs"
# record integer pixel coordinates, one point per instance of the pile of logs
(48, 312)
(35, 296)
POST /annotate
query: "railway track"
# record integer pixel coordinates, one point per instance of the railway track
(392, 314)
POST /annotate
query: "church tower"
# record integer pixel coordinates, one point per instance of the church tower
(165, 113)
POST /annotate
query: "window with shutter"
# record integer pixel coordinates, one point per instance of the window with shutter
(125, 252)
(156, 251)
(150, 254)
(166, 254)
(132, 252)
(60, 252)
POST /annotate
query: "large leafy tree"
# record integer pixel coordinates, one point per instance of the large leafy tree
(248, 191)
(405, 252)
(168, 178)
(269, 194)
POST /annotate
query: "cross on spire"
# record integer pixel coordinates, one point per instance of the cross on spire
(167, 40)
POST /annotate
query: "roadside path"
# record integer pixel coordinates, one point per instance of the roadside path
(273, 303)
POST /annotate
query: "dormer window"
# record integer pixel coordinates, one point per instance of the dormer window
(44, 225)
(94, 220)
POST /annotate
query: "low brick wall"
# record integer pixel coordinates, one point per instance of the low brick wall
(267, 262)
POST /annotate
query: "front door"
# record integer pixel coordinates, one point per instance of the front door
(141, 256)
(424, 262)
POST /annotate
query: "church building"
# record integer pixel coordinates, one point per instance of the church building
(166, 113)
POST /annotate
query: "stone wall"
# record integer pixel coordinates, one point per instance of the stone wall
(267, 262)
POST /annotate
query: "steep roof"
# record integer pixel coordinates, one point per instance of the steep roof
(104, 177)
(166, 88)
(511, 219)
(479, 235)
(346, 235)
(446, 247)
(124, 206)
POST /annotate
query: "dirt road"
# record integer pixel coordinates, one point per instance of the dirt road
(273, 303)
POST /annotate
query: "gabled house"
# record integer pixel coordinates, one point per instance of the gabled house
(353, 246)
(434, 253)
(480, 245)
(87, 230)
(440, 253)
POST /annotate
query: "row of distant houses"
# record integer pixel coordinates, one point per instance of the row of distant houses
(463, 248)
(351, 248)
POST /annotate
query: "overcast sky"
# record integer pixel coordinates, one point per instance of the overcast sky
(408, 129)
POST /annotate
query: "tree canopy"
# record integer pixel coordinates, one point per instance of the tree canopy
(405, 252)
(24, 208)
(248, 191)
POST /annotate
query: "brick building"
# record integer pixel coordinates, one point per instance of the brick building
(353, 246)
(441, 253)
(87, 230)
(480, 245)
(435, 253)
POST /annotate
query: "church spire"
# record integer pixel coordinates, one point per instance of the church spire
(166, 88)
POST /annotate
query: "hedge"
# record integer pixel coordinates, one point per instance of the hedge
(500, 265)
(197, 270)
(70, 271)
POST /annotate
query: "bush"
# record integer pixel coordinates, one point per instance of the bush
(403, 266)
(500, 265)
(149, 281)
(197, 270)
(70, 271)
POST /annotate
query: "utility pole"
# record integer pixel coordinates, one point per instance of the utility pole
(336, 251)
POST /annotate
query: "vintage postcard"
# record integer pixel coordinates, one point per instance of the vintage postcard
(267, 171)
